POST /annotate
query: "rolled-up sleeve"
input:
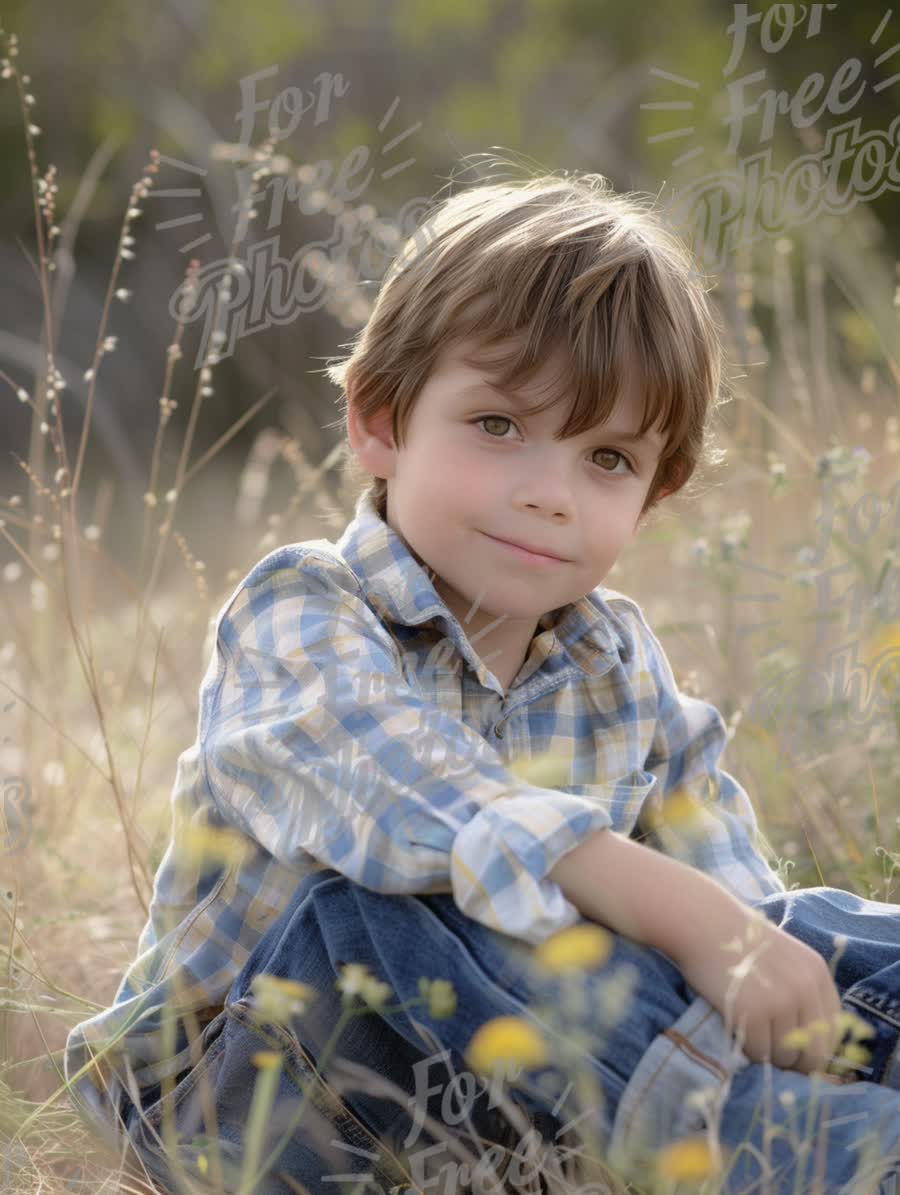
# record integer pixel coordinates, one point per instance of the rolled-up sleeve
(698, 812)
(316, 745)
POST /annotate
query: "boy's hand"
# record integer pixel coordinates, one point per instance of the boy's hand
(784, 985)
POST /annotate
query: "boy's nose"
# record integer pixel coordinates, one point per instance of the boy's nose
(547, 491)
(560, 516)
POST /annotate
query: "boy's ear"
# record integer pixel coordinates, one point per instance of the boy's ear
(372, 439)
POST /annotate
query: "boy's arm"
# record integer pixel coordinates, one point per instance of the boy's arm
(315, 744)
(698, 813)
(647, 896)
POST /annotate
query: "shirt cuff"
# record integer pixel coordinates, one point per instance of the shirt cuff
(500, 859)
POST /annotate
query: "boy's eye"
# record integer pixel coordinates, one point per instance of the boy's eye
(485, 419)
(493, 419)
(620, 455)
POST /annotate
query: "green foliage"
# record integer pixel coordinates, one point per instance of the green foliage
(418, 26)
(475, 110)
(240, 40)
(114, 119)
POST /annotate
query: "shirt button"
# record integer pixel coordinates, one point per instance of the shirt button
(498, 730)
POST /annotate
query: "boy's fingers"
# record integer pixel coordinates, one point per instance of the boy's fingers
(805, 1047)
(825, 1035)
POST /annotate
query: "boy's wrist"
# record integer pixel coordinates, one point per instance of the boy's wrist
(700, 917)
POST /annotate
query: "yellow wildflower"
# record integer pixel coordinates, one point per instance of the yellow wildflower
(440, 995)
(680, 810)
(547, 770)
(859, 1029)
(265, 1060)
(205, 845)
(846, 1057)
(503, 1041)
(881, 654)
(690, 1160)
(278, 1000)
(797, 1039)
(856, 1056)
(885, 638)
(576, 948)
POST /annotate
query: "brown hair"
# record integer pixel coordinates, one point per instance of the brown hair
(547, 261)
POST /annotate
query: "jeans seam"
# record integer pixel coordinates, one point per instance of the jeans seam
(687, 1046)
(863, 1001)
(329, 1103)
(176, 1096)
(680, 1042)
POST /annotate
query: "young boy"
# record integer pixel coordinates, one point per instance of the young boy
(536, 376)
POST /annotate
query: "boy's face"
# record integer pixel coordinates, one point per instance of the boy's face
(459, 486)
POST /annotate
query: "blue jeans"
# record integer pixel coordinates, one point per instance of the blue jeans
(652, 1060)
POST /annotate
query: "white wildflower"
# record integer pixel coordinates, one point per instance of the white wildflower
(352, 979)
(53, 773)
(38, 595)
(356, 980)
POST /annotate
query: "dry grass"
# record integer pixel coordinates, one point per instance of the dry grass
(100, 670)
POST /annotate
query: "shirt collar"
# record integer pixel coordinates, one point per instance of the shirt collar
(401, 590)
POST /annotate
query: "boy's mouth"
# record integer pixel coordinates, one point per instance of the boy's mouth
(526, 551)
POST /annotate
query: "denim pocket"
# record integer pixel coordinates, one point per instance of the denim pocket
(329, 1135)
(686, 1063)
(183, 1105)
(299, 1065)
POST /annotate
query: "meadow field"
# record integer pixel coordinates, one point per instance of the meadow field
(775, 589)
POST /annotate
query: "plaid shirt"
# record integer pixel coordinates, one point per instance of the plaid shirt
(345, 721)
